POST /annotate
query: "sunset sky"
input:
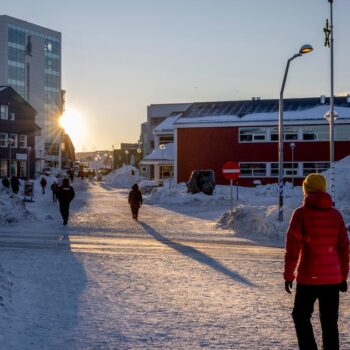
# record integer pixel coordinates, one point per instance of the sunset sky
(120, 56)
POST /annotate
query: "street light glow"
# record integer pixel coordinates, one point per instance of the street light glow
(305, 49)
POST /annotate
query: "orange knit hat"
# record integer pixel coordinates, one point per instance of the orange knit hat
(314, 183)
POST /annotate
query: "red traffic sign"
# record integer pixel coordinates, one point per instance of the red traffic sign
(231, 170)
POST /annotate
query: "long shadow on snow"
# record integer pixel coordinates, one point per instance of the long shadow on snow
(197, 255)
(45, 314)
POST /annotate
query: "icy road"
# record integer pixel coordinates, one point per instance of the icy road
(170, 281)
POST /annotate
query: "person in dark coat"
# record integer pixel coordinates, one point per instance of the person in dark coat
(54, 189)
(135, 201)
(43, 184)
(5, 182)
(15, 184)
(318, 247)
(65, 195)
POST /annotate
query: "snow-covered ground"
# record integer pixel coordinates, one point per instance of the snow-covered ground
(190, 274)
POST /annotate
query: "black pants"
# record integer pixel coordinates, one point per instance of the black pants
(134, 211)
(328, 298)
(64, 209)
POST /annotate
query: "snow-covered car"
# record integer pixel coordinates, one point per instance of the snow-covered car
(201, 181)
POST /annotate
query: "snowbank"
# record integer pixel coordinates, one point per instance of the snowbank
(122, 177)
(13, 210)
(255, 213)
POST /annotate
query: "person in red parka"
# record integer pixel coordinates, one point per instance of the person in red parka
(317, 245)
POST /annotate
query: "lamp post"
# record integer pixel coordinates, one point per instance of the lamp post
(9, 142)
(292, 147)
(331, 107)
(126, 156)
(28, 157)
(138, 160)
(303, 50)
(162, 148)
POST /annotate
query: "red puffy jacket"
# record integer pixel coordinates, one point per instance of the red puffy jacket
(317, 241)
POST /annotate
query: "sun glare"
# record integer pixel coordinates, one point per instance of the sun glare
(73, 124)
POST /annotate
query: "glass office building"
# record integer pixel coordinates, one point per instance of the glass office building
(30, 62)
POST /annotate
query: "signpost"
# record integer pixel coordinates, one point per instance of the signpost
(231, 171)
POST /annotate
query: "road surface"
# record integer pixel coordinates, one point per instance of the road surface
(169, 281)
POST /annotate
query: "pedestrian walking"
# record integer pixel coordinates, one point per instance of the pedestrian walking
(317, 246)
(43, 184)
(5, 182)
(54, 189)
(65, 195)
(135, 201)
(15, 184)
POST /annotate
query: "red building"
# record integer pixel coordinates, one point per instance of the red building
(209, 134)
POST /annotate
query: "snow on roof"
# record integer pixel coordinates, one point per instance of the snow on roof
(315, 113)
(159, 155)
(167, 124)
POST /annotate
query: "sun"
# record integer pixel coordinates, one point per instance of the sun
(73, 123)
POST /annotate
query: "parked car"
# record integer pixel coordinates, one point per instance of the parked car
(201, 181)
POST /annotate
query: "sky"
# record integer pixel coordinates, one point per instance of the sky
(120, 56)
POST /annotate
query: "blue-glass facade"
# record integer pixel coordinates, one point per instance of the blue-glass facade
(17, 51)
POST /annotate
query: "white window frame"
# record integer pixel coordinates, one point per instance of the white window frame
(15, 140)
(252, 174)
(3, 139)
(253, 135)
(4, 112)
(23, 139)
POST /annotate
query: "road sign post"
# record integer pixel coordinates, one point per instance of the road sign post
(231, 171)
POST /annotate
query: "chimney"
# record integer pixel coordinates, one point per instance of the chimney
(323, 99)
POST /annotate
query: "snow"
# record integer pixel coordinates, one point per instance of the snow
(315, 113)
(160, 155)
(123, 177)
(166, 125)
(190, 274)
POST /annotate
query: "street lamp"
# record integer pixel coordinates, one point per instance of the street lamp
(9, 143)
(126, 156)
(139, 151)
(303, 50)
(28, 157)
(292, 147)
(331, 107)
(162, 148)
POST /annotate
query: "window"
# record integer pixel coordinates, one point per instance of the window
(253, 169)
(3, 139)
(342, 133)
(14, 143)
(3, 168)
(4, 112)
(289, 169)
(316, 132)
(12, 116)
(315, 167)
(22, 141)
(252, 134)
(290, 133)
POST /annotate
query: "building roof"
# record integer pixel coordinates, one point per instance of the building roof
(167, 125)
(262, 110)
(5, 88)
(160, 156)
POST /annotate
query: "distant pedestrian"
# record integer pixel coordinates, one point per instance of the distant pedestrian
(70, 173)
(43, 184)
(54, 189)
(318, 246)
(15, 184)
(135, 201)
(65, 195)
(5, 182)
(81, 174)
